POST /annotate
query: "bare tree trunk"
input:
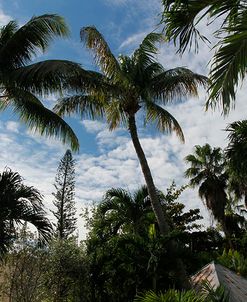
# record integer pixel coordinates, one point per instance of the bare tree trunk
(156, 205)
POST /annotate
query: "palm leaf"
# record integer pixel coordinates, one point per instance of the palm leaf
(44, 77)
(89, 106)
(144, 55)
(103, 55)
(177, 83)
(228, 66)
(38, 118)
(164, 120)
(33, 36)
(181, 18)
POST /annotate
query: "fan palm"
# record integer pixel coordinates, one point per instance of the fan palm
(19, 203)
(21, 83)
(229, 62)
(207, 170)
(236, 153)
(124, 87)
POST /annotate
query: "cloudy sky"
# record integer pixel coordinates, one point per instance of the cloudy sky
(107, 159)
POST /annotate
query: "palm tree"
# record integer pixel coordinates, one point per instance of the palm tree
(22, 82)
(126, 211)
(181, 18)
(207, 171)
(236, 152)
(19, 203)
(124, 87)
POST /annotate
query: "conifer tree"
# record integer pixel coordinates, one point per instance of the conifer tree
(65, 197)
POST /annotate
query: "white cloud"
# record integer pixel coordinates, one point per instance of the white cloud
(4, 18)
(12, 126)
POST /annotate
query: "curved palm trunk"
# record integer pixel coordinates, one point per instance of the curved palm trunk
(156, 205)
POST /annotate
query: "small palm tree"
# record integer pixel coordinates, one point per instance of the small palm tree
(129, 211)
(207, 171)
(22, 82)
(19, 203)
(124, 87)
(181, 20)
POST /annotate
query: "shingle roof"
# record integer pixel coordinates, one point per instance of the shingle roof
(217, 274)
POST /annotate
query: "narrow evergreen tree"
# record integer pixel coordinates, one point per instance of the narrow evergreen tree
(65, 197)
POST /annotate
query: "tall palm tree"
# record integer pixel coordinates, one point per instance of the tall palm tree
(19, 203)
(207, 171)
(22, 82)
(236, 153)
(127, 85)
(181, 20)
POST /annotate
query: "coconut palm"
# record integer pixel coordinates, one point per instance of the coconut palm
(127, 85)
(207, 171)
(181, 20)
(19, 203)
(22, 82)
(236, 153)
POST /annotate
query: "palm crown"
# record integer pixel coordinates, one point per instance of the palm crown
(20, 203)
(21, 82)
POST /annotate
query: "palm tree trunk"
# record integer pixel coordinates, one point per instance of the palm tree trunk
(156, 205)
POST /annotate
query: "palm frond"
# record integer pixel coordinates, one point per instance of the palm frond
(177, 83)
(144, 55)
(229, 65)
(164, 120)
(39, 118)
(44, 78)
(7, 31)
(115, 114)
(35, 35)
(86, 105)
(180, 20)
(103, 55)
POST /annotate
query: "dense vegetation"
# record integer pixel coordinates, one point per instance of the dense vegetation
(139, 243)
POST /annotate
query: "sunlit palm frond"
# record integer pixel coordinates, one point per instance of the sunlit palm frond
(229, 66)
(44, 78)
(164, 120)
(86, 105)
(103, 55)
(177, 83)
(115, 114)
(37, 117)
(144, 55)
(35, 35)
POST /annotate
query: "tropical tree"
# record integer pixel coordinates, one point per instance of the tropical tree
(65, 197)
(181, 20)
(207, 171)
(236, 152)
(124, 87)
(19, 203)
(22, 82)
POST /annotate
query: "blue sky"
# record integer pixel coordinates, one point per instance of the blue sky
(107, 159)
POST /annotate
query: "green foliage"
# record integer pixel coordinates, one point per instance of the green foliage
(66, 273)
(64, 197)
(20, 203)
(125, 222)
(22, 82)
(181, 22)
(234, 261)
